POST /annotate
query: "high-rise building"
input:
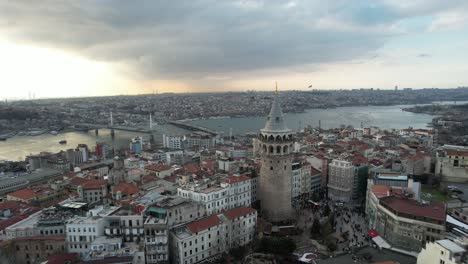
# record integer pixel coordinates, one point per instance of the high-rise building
(340, 181)
(136, 146)
(274, 147)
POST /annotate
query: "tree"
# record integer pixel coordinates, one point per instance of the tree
(315, 230)
(238, 253)
(331, 246)
(277, 245)
(331, 219)
(253, 173)
(315, 196)
(326, 210)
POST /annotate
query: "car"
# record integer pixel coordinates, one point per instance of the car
(340, 204)
(308, 258)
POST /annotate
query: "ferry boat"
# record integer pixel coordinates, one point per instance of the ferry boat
(35, 133)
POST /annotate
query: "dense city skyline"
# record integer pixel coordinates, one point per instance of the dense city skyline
(95, 49)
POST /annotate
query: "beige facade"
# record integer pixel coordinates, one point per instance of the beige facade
(32, 250)
(452, 165)
(407, 225)
(442, 252)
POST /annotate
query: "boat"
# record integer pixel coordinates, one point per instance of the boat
(35, 133)
(63, 142)
(53, 132)
(3, 138)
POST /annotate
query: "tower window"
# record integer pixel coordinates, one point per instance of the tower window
(271, 168)
(277, 118)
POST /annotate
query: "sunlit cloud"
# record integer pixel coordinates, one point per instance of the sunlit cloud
(204, 45)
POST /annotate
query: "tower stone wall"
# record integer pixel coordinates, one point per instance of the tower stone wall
(274, 146)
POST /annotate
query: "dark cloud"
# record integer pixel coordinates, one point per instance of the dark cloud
(192, 39)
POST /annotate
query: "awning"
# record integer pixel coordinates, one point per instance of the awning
(378, 240)
(372, 233)
(456, 222)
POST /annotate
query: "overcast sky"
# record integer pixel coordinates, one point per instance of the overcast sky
(81, 48)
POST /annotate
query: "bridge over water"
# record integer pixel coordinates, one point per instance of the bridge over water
(88, 126)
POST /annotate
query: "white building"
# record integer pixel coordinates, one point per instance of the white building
(240, 223)
(209, 237)
(124, 223)
(239, 190)
(254, 189)
(82, 231)
(239, 152)
(156, 240)
(233, 192)
(173, 142)
(214, 199)
(47, 222)
(225, 164)
(442, 252)
(296, 180)
(83, 154)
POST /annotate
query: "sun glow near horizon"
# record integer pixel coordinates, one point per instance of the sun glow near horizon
(29, 71)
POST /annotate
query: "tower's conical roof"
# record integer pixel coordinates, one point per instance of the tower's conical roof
(275, 121)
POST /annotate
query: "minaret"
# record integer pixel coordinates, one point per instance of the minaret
(111, 119)
(151, 122)
(275, 144)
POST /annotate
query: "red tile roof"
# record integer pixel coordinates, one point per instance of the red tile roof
(62, 258)
(92, 185)
(314, 171)
(204, 223)
(18, 217)
(12, 205)
(238, 212)
(234, 179)
(380, 190)
(172, 178)
(453, 152)
(126, 188)
(433, 210)
(358, 159)
(191, 167)
(158, 168)
(30, 192)
(75, 181)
